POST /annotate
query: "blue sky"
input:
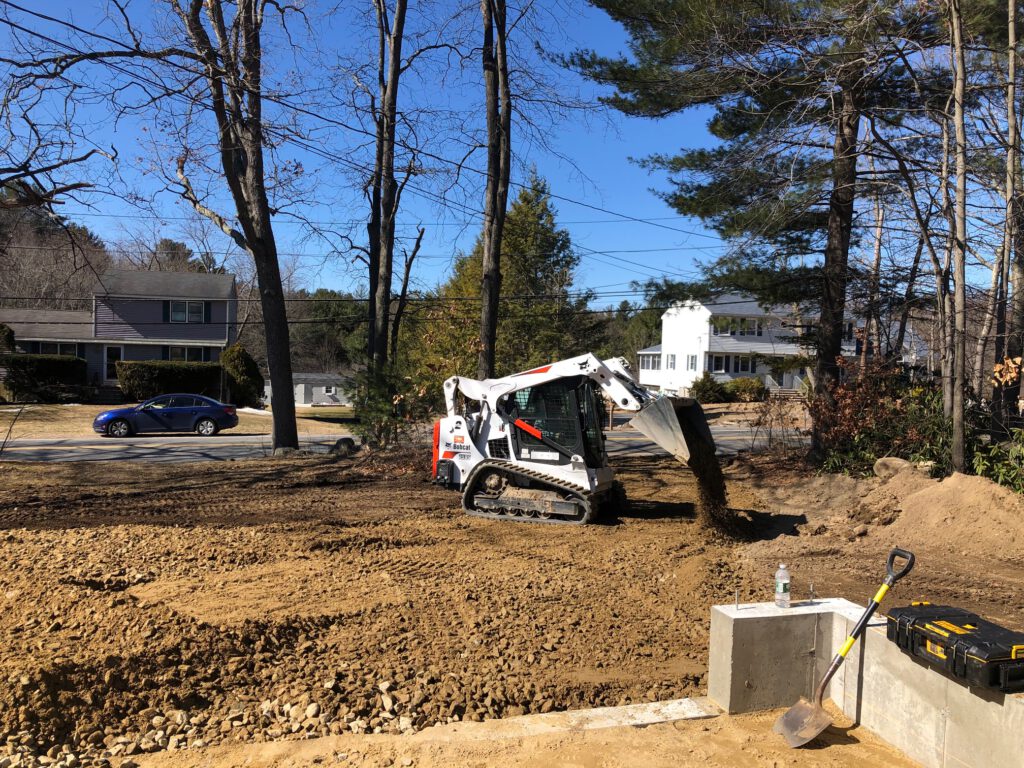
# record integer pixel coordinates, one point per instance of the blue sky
(593, 170)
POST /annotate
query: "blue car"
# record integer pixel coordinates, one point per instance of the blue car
(168, 413)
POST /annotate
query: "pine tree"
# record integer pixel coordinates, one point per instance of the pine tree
(541, 318)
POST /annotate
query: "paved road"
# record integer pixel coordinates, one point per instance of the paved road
(188, 447)
(728, 440)
(184, 447)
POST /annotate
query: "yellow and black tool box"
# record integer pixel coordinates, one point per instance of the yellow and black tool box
(961, 644)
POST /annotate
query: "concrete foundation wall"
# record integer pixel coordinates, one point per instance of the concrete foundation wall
(763, 657)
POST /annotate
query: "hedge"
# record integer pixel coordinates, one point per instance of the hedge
(245, 382)
(45, 378)
(141, 380)
(6, 338)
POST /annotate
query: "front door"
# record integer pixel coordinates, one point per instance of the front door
(112, 356)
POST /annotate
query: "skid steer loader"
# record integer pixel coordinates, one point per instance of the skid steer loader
(531, 447)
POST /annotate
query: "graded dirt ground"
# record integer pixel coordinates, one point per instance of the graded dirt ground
(157, 607)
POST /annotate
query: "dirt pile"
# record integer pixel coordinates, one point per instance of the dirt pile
(966, 514)
(884, 503)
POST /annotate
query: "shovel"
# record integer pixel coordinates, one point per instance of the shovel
(804, 720)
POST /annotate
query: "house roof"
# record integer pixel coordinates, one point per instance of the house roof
(324, 379)
(740, 305)
(655, 350)
(47, 324)
(177, 285)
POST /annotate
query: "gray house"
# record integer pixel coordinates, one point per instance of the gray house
(135, 316)
(317, 389)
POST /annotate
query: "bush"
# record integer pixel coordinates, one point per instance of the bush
(141, 380)
(388, 405)
(244, 380)
(6, 338)
(45, 378)
(880, 412)
(746, 390)
(707, 389)
(1003, 462)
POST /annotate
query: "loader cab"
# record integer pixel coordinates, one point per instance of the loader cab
(557, 420)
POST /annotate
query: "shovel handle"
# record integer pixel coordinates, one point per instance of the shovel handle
(891, 577)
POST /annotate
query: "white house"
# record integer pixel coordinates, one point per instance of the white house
(732, 337)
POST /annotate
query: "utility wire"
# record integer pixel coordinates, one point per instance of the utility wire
(308, 112)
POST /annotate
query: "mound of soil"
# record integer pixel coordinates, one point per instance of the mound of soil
(969, 515)
(883, 504)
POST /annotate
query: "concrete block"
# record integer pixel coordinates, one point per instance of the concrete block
(764, 657)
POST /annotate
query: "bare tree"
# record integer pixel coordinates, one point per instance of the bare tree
(960, 236)
(498, 108)
(215, 67)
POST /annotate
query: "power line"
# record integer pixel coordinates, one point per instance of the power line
(303, 110)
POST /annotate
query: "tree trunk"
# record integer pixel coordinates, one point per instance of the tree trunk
(959, 241)
(896, 351)
(1009, 318)
(498, 106)
(837, 250)
(403, 296)
(234, 75)
(388, 182)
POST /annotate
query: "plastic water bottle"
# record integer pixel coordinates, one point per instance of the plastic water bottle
(782, 586)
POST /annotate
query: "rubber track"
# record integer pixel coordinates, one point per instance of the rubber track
(513, 469)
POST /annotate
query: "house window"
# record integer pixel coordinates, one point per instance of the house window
(650, 362)
(670, 362)
(186, 312)
(691, 362)
(723, 326)
(743, 365)
(54, 348)
(328, 390)
(185, 354)
(718, 363)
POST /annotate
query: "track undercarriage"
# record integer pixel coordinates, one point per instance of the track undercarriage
(499, 489)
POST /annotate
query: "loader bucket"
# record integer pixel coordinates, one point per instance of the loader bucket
(666, 419)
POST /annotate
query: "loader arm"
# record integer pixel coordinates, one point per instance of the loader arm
(672, 423)
(612, 376)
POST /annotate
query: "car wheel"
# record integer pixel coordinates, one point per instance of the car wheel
(119, 428)
(206, 427)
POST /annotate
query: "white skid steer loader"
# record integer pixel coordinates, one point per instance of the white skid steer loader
(531, 447)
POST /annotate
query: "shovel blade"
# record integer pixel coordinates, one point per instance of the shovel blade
(803, 722)
(660, 421)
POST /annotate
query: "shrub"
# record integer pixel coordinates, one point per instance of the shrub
(244, 380)
(46, 378)
(746, 390)
(707, 389)
(880, 412)
(388, 405)
(143, 379)
(6, 339)
(1002, 462)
